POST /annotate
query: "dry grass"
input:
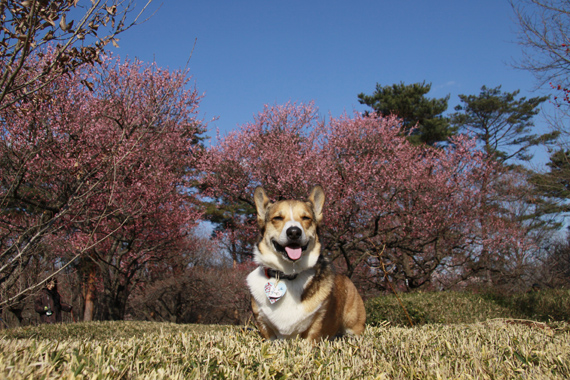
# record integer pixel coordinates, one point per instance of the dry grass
(498, 349)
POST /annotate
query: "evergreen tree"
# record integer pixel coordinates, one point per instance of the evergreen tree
(501, 122)
(555, 183)
(420, 115)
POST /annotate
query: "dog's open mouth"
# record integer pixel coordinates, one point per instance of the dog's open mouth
(293, 251)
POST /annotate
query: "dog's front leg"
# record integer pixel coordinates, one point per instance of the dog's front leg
(318, 329)
(264, 329)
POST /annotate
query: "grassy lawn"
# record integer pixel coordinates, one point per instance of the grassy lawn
(497, 349)
(455, 336)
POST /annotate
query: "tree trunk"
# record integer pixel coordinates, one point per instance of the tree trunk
(89, 294)
(113, 301)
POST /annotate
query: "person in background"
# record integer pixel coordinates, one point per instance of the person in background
(48, 304)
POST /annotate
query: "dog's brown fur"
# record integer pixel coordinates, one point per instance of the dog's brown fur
(321, 304)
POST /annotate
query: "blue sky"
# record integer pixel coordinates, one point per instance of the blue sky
(254, 52)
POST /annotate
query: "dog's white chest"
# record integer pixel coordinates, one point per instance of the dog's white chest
(287, 315)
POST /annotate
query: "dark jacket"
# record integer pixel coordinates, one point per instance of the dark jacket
(49, 302)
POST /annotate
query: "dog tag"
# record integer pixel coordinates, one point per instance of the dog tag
(275, 292)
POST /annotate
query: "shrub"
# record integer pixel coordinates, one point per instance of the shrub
(437, 307)
(544, 305)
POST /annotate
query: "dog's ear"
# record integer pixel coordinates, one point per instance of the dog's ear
(317, 198)
(261, 202)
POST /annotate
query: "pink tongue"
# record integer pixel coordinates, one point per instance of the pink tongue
(294, 253)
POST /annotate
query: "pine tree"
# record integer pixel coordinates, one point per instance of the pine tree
(421, 116)
(555, 183)
(501, 122)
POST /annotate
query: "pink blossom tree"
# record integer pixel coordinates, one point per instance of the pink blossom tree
(77, 35)
(421, 211)
(96, 167)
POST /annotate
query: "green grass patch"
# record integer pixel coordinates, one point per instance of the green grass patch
(545, 305)
(464, 307)
(142, 350)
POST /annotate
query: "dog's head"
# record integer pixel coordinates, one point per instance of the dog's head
(290, 242)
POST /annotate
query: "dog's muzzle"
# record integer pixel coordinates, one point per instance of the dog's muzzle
(294, 233)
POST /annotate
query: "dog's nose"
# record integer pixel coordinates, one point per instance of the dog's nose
(294, 233)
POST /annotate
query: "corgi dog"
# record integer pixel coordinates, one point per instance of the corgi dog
(294, 290)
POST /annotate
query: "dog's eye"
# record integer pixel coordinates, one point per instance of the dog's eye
(306, 218)
(277, 219)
